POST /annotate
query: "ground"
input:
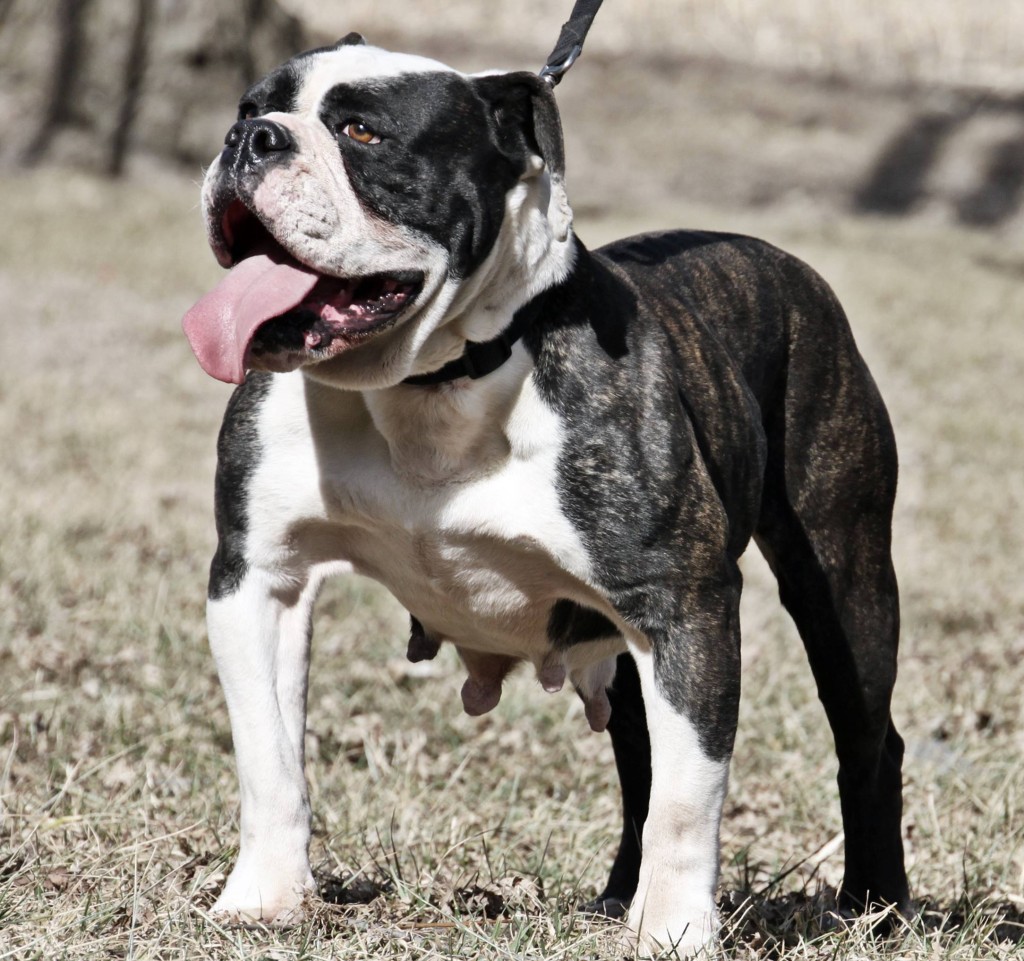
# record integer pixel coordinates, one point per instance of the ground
(439, 835)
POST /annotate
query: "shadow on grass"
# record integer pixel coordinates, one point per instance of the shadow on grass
(772, 925)
(500, 897)
(765, 921)
(353, 890)
(901, 178)
(1001, 922)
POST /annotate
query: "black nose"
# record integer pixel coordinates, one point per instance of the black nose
(250, 142)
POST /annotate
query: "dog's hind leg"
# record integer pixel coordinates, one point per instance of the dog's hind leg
(825, 530)
(689, 678)
(632, 746)
(260, 636)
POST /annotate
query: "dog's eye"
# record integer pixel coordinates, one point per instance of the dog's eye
(360, 132)
(247, 111)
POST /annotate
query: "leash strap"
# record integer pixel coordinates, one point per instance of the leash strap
(570, 40)
(480, 359)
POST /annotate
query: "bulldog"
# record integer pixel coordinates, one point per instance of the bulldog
(551, 457)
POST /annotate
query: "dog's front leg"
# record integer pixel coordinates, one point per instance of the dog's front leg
(260, 640)
(690, 683)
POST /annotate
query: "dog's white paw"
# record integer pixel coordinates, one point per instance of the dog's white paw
(275, 904)
(685, 931)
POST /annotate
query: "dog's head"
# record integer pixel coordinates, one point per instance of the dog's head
(376, 211)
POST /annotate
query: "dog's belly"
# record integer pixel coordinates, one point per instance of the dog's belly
(480, 591)
(480, 562)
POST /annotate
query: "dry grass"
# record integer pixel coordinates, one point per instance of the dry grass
(436, 835)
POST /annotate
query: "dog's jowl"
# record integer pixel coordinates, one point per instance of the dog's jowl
(550, 456)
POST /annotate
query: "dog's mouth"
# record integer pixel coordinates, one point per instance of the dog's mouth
(273, 312)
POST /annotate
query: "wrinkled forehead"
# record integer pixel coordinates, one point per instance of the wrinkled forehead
(300, 85)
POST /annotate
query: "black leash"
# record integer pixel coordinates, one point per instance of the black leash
(570, 40)
(480, 359)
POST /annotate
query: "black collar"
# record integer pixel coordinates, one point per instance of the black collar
(480, 359)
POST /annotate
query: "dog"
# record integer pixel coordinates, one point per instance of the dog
(548, 455)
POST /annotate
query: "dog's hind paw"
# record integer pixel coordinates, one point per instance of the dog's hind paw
(606, 907)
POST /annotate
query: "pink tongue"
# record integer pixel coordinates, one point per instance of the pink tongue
(221, 325)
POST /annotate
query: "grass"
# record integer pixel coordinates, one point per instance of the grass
(437, 835)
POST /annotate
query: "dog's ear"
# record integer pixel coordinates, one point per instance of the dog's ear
(526, 126)
(525, 116)
(351, 40)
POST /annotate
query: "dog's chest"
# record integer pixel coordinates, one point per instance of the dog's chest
(480, 557)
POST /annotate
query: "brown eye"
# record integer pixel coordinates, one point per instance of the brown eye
(359, 132)
(247, 111)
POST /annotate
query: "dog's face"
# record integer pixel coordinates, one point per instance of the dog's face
(377, 210)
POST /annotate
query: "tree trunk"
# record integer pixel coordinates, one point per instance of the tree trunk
(131, 91)
(91, 82)
(67, 64)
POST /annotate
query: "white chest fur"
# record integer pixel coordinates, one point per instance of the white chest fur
(447, 497)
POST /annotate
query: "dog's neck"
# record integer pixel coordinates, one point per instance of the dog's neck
(453, 432)
(534, 251)
(458, 430)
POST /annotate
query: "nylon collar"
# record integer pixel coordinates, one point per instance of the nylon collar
(482, 358)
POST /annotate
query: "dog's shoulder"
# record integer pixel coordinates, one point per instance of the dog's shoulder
(670, 313)
(657, 359)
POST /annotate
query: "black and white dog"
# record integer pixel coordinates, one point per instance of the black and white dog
(548, 455)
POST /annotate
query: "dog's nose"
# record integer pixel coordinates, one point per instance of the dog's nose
(250, 142)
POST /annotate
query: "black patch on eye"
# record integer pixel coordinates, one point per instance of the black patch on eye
(570, 623)
(276, 92)
(443, 167)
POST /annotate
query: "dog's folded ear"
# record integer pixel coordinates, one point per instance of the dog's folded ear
(525, 116)
(352, 39)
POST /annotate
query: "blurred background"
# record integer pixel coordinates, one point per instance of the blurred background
(893, 107)
(880, 140)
